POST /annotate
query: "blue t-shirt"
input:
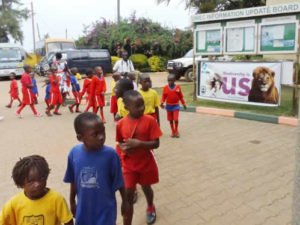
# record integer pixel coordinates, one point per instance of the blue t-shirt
(34, 89)
(48, 87)
(97, 176)
(75, 83)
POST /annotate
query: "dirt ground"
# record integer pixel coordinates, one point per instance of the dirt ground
(221, 171)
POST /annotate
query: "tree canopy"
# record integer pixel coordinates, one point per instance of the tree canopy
(11, 17)
(204, 6)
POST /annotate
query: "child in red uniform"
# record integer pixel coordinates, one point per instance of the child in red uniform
(172, 94)
(113, 99)
(98, 88)
(87, 89)
(13, 91)
(137, 134)
(27, 93)
(56, 98)
(75, 90)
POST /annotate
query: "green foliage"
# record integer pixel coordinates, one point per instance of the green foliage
(114, 59)
(137, 36)
(11, 17)
(139, 61)
(248, 57)
(157, 63)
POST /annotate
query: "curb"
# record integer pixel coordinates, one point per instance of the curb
(289, 121)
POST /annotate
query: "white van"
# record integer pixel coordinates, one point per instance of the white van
(11, 59)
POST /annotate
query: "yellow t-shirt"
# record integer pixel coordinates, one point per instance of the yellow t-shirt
(121, 108)
(51, 209)
(151, 100)
(113, 85)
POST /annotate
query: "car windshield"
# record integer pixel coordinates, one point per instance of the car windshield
(67, 45)
(10, 54)
(189, 54)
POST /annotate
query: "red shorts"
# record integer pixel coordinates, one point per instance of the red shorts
(113, 104)
(76, 96)
(173, 115)
(55, 99)
(27, 96)
(144, 174)
(14, 95)
(99, 101)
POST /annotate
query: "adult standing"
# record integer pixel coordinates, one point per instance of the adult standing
(124, 65)
(62, 70)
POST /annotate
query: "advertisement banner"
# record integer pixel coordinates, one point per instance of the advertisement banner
(240, 82)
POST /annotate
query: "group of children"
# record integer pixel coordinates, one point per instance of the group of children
(95, 171)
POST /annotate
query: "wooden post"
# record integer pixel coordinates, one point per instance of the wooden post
(194, 76)
(295, 79)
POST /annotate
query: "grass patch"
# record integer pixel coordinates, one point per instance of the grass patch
(285, 108)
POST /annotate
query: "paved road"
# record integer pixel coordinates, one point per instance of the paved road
(222, 171)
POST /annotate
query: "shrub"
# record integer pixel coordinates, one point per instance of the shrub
(114, 59)
(139, 61)
(157, 63)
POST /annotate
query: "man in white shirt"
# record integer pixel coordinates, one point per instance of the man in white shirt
(124, 65)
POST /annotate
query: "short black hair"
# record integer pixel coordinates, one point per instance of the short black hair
(89, 71)
(73, 70)
(24, 165)
(26, 66)
(128, 95)
(171, 75)
(125, 85)
(144, 75)
(58, 55)
(79, 122)
(13, 74)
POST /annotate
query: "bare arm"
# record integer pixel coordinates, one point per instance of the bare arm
(132, 144)
(157, 114)
(72, 198)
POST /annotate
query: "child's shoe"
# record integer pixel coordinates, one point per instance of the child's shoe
(78, 111)
(48, 113)
(177, 135)
(8, 106)
(38, 115)
(19, 115)
(70, 108)
(151, 215)
(57, 113)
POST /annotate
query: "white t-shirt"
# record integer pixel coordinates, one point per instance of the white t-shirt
(122, 66)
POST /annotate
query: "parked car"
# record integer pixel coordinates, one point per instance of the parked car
(183, 66)
(82, 59)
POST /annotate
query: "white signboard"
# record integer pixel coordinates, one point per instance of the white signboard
(240, 82)
(292, 7)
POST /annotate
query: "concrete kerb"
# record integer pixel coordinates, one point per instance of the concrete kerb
(232, 113)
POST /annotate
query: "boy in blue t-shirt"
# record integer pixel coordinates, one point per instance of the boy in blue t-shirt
(94, 171)
(34, 89)
(75, 90)
(47, 96)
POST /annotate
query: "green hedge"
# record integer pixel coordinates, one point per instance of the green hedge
(157, 63)
(114, 59)
(139, 61)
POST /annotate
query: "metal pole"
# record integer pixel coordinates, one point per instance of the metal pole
(296, 197)
(118, 11)
(33, 31)
(38, 30)
(194, 76)
(66, 33)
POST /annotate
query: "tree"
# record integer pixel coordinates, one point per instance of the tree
(204, 6)
(11, 17)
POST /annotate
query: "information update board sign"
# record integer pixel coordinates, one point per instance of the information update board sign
(209, 41)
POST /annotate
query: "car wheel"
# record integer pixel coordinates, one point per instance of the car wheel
(189, 76)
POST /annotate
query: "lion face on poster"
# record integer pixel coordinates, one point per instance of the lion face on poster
(263, 86)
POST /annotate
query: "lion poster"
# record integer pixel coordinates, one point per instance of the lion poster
(241, 82)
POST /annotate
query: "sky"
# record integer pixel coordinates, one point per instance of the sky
(55, 16)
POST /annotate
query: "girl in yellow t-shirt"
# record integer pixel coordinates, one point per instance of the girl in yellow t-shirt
(36, 204)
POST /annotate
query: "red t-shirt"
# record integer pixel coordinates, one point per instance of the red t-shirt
(13, 88)
(145, 129)
(25, 80)
(86, 86)
(172, 95)
(54, 86)
(98, 85)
